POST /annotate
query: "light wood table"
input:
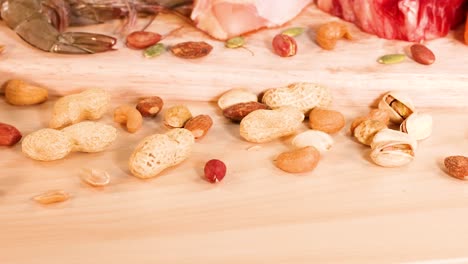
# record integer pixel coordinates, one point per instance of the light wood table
(347, 210)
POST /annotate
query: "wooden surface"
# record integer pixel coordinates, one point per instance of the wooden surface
(347, 210)
(350, 70)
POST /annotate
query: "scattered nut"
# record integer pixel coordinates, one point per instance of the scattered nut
(9, 135)
(391, 148)
(328, 121)
(329, 33)
(398, 105)
(95, 177)
(304, 96)
(191, 49)
(236, 96)
(18, 92)
(177, 116)
(150, 107)
(457, 166)
(375, 114)
(160, 151)
(391, 58)
(284, 45)
(266, 125)
(91, 104)
(366, 131)
(91, 136)
(215, 170)
(53, 196)
(299, 160)
(422, 54)
(199, 125)
(2, 48)
(418, 126)
(238, 111)
(49, 144)
(129, 116)
(314, 138)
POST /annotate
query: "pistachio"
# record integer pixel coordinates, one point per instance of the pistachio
(294, 31)
(418, 126)
(389, 135)
(154, 51)
(235, 42)
(399, 106)
(314, 138)
(366, 130)
(392, 154)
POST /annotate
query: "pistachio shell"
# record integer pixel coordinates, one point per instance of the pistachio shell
(392, 154)
(389, 135)
(314, 138)
(402, 100)
(418, 126)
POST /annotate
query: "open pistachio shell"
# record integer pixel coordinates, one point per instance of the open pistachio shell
(418, 126)
(392, 154)
(390, 135)
(399, 105)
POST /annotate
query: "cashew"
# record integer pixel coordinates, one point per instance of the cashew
(129, 116)
(160, 151)
(91, 104)
(50, 144)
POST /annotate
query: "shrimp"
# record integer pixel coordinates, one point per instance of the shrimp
(42, 23)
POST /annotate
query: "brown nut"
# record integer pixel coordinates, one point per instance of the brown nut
(9, 135)
(177, 116)
(457, 166)
(422, 54)
(150, 107)
(299, 160)
(199, 125)
(238, 111)
(18, 92)
(328, 121)
(129, 116)
(366, 131)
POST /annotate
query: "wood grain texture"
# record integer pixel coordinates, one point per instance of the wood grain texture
(351, 70)
(347, 210)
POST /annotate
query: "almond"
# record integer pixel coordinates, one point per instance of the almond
(299, 160)
(328, 121)
(457, 166)
(422, 54)
(18, 92)
(199, 125)
(9, 135)
(238, 111)
(150, 107)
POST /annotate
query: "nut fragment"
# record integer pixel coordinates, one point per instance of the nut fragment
(266, 125)
(284, 45)
(150, 107)
(160, 151)
(422, 54)
(299, 160)
(457, 166)
(129, 116)
(177, 116)
(399, 106)
(328, 121)
(236, 96)
(18, 92)
(9, 135)
(215, 170)
(191, 49)
(91, 104)
(53, 196)
(238, 111)
(329, 33)
(95, 177)
(314, 138)
(304, 96)
(418, 126)
(199, 125)
(366, 131)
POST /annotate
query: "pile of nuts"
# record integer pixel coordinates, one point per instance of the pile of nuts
(392, 148)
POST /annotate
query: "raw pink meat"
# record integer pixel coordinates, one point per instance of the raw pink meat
(223, 19)
(412, 20)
